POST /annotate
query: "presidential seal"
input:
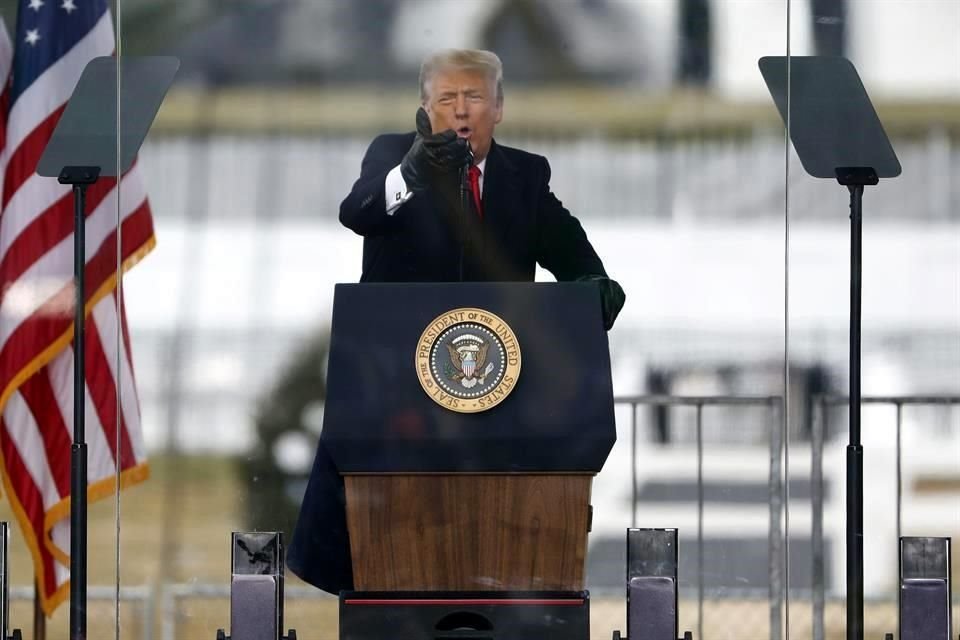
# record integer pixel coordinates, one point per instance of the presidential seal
(468, 360)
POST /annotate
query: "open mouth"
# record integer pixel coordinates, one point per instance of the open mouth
(464, 132)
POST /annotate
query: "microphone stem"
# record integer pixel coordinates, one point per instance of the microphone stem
(464, 205)
(463, 217)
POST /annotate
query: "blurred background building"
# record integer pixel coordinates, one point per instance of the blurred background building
(664, 142)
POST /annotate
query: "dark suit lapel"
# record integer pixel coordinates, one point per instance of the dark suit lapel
(501, 194)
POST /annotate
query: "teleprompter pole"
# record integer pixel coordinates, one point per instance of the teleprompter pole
(855, 179)
(80, 178)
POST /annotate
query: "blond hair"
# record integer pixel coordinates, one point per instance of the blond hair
(464, 60)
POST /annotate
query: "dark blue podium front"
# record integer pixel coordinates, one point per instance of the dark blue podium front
(559, 418)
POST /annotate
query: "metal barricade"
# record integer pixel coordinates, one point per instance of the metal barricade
(818, 436)
(778, 534)
(142, 595)
(778, 491)
(172, 594)
(777, 488)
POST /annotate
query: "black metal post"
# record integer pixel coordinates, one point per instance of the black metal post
(855, 178)
(80, 178)
(78, 458)
(39, 619)
(854, 449)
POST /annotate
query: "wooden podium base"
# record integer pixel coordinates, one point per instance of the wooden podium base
(468, 532)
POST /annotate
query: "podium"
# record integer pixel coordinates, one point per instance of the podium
(468, 421)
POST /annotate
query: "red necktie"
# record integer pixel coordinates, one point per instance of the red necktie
(473, 180)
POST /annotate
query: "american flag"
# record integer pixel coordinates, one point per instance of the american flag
(54, 41)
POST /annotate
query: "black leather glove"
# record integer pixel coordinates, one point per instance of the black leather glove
(612, 297)
(433, 157)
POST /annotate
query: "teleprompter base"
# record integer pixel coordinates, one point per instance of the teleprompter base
(459, 615)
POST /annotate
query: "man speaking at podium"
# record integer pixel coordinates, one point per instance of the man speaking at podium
(445, 203)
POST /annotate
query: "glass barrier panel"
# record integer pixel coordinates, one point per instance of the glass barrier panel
(63, 379)
(661, 139)
(906, 57)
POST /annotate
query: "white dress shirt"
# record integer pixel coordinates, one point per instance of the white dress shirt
(397, 193)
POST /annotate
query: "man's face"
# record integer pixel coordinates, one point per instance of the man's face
(466, 102)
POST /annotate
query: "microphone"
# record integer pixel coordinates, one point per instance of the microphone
(464, 179)
(464, 202)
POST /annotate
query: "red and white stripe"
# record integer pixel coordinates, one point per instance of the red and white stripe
(36, 320)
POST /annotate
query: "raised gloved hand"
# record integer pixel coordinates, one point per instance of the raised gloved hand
(612, 297)
(432, 157)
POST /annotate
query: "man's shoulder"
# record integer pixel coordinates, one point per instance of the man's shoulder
(389, 141)
(520, 160)
(519, 155)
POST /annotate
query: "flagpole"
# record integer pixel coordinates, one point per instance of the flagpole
(39, 620)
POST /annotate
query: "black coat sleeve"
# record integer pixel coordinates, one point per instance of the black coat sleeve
(562, 245)
(364, 210)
